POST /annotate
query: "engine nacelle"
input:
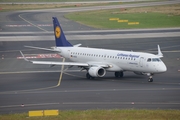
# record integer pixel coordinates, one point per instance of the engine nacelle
(139, 73)
(97, 71)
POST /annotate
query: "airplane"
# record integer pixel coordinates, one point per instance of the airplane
(99, 61)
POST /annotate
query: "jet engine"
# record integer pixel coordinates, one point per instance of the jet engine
(97, 71)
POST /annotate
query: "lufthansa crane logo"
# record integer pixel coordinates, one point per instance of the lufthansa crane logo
(57, 32)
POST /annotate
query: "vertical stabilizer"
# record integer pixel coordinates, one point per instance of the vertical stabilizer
(59, 35)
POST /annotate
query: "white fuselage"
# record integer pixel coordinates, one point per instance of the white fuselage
(118, 60)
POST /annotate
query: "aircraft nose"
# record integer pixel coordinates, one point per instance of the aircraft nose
(162, 68)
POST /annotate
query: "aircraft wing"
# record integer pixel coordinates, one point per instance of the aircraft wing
(105, 65)
(55, 63)
(60, 63)
(68, 63)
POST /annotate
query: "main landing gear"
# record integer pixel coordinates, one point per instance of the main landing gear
(119, 74)
(88, 76)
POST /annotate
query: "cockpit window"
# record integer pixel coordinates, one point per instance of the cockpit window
(149, 60)
(153, 60)
(156, 60)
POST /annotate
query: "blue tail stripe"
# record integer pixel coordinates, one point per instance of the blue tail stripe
(59, 35)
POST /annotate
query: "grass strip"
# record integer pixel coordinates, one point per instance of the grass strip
(148, 17)
(130, 114)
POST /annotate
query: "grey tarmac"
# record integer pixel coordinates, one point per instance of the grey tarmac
(25, 87)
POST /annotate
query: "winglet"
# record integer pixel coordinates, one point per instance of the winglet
(159, 52)
(24, 57)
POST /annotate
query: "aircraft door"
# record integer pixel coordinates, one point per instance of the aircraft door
(141, 61)
(69, 54)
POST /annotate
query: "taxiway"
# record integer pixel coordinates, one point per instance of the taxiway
(25, 87)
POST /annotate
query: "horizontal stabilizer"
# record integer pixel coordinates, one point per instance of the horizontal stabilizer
(24, 57)
(77, 45)
(39, 48)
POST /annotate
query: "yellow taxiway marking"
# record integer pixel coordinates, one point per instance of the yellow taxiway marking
(24, 72)
(74, 75)
(32, 23)
(19, 91)
(61, 74)
(59, 82)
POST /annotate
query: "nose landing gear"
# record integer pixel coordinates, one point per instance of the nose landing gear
(150, 77)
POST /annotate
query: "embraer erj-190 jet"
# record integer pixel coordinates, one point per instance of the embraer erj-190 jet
(98, 61)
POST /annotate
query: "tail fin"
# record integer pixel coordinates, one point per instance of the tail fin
(59, 35)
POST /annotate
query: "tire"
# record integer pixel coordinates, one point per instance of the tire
(88, 76)
(150, 80)
(119, 74)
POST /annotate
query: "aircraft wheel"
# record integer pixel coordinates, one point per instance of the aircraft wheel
(88, 76)
(121, 74)
(150, 80)
(118, 74)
